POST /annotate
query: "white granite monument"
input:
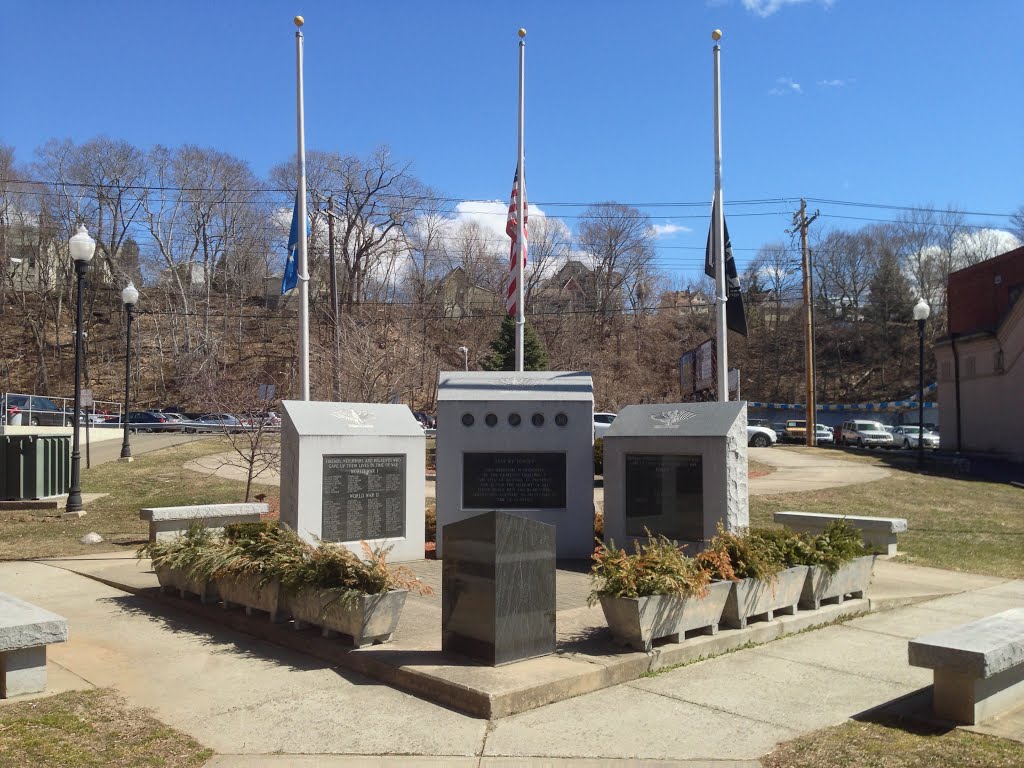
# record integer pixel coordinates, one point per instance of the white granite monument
(518, 442)
(677, 469)
(353, 472)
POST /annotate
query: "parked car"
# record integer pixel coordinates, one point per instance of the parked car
(36, 411)
(760, 437)
(907, 437)
(796, 431)
(823, 435)
(175, 421)
(780, 429)
(866, 434)
(144, 421)
(262, 419)
(602, 421)
(215, 421)
(425, 419)
(759, 423)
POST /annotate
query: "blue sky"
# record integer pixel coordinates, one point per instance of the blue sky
(903, 103)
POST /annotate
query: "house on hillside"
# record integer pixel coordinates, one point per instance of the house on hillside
(191, 274)
(683, 303)
(575, 287)
(981, 362)
(459, 296)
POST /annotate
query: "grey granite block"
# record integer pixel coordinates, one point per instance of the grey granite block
(23, 625)
(980, 649)
(498, 588)
(202, 511)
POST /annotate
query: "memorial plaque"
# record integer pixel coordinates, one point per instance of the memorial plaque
(363, 497)
(513, 481)
(665, 494)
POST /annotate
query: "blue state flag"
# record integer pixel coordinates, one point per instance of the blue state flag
(291, 264)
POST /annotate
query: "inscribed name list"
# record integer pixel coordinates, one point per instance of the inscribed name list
(363, 497)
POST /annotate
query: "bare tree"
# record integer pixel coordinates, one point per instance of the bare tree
(619, 240)
(1017, 223)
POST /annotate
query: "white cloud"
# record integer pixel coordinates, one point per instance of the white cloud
(837, 83)
(668, 229)
(785, 85)
(765, 8)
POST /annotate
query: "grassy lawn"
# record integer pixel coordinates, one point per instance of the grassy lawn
(958, 524)
(82, 729)
(894, 745)
(152, 480)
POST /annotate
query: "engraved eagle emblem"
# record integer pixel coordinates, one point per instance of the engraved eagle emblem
(671, 419)
(356, 419)
(515, 381)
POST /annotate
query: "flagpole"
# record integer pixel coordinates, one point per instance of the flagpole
(718, 241)
(520, 234)
(303, 264)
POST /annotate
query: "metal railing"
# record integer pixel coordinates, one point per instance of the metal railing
(22, 412)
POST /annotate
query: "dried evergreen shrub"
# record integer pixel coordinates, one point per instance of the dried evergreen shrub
(657, 567)
(335, 569)
(838, 544)
(736, 555)
(182, 552)
(276, 553)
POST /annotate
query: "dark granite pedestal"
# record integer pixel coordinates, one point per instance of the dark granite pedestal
(498, 588)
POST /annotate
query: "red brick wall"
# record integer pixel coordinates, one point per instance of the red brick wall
(977, 302)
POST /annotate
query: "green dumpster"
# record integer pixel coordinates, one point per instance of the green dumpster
(34, 466)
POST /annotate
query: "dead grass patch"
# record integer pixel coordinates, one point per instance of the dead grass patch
(155, 479)
(91, 729)
(957, 524)
(892, 745)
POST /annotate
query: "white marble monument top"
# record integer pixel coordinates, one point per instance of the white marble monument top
(353, 419)
(515, 385)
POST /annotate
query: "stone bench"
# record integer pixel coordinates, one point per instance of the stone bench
(25, 631)
(979, 667)
(169, 522)
(878, 532)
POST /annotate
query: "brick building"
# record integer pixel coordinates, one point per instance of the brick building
(981, 363)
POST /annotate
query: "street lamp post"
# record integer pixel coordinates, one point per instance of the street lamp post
(465, 357)
(130, 296)
(82, 248)
(921, 312)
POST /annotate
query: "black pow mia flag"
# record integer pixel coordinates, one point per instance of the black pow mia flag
(735, 315)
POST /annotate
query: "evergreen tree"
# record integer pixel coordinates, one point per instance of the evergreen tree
(503, 349)
(891, 300)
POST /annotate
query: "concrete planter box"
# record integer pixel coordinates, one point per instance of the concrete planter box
(245, 589)
(639, 621)
(372, 619)
(852, 578)
(179, 579)
(753, 597)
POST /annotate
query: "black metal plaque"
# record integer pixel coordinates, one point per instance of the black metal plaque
(363, 497)
(665, 494)
(513, 481)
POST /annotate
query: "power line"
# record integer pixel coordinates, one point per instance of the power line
(447, 199)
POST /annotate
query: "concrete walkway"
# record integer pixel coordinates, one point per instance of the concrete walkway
(797, 471)
(257, 704)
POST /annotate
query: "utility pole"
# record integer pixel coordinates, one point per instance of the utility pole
(801, 221)
(335, 316)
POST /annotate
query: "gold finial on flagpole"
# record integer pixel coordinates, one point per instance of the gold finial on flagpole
(716, 35)
(299, 21)
(522, 32)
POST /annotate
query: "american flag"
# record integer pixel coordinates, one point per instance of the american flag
(511, 230)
